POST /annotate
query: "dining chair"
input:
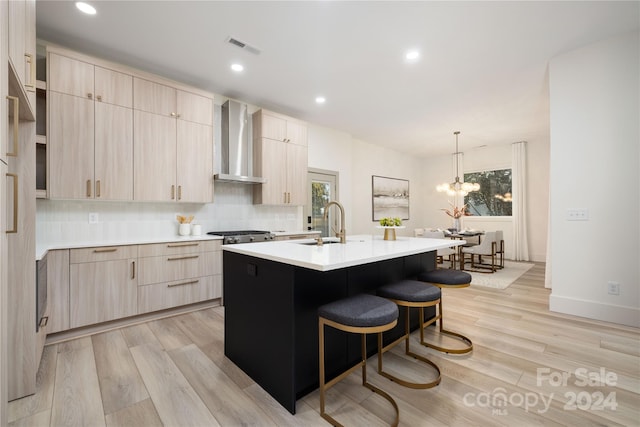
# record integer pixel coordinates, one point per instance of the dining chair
(450, 253)
(487, 247)
(500, 247)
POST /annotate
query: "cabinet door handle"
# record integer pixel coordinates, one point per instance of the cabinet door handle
(173, 114)
(173, 192)
(180, 245)
(178, 115)
(285, 196)
(90, 95)
(99, 98)
(98, 188)
(133, 269)
(101, 251)
(179, 192)
(183, 257)
(88, 188)
(16, 124)
(190, 282)
(44, 321)
(14, 229)
(32, 71)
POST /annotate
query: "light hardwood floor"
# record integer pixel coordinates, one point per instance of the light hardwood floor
(173, 372)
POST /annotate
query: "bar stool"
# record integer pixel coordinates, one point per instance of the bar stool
(447, 279)
(409, 293)
(362, 314)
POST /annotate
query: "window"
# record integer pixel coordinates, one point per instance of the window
(494, 196)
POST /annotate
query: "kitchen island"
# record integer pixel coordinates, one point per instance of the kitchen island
(272, 291)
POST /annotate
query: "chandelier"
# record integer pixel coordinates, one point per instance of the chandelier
(458, 188)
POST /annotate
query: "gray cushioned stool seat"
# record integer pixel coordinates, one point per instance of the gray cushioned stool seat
(410, 290)
(445, 277)
(361, 310)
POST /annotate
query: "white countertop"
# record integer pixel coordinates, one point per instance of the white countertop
(43, 248)
(360, 249)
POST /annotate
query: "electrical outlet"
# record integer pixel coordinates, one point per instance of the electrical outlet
(613, 288)
(578, 214)
(93, 218)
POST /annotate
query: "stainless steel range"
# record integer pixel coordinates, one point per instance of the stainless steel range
(243, 236)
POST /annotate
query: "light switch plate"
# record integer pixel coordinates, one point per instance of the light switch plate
(93, 218)
(578, 214)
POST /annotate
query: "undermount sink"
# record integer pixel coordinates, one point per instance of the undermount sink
(325, 241)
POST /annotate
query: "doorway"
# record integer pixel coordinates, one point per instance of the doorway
(323, 187)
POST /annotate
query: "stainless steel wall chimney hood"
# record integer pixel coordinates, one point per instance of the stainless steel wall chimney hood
(235, 153)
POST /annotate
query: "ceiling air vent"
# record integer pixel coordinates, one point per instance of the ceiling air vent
(242, 45)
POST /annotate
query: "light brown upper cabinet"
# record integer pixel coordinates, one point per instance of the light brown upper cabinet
(22, 47)
(90, 131)
(173, 144)
(280, 156)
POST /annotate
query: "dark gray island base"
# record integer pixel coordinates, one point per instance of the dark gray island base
(271, 319)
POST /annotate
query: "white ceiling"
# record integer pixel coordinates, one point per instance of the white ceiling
(483, 66)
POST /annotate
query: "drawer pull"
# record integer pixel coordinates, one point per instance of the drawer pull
(181, 245)
(44, 321)
(99, 251)
(183, 257)
(190, 282)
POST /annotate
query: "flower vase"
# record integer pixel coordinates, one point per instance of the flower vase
(456, 224)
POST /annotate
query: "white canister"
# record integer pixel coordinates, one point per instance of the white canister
(196, 230)
(184, 230)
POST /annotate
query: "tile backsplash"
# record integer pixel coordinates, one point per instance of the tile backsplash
(62, 221)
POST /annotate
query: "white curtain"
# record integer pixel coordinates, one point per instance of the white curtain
(519, 194)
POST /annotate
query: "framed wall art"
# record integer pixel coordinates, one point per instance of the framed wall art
(390, 198)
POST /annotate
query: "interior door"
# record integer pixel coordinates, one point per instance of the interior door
(322, 186)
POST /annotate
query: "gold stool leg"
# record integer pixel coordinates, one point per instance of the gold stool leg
(406, 337)
(461, 337)
(363, 363)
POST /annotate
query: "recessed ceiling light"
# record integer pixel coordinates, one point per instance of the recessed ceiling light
(237, 67)
(86, 8)
(320, 100)
(412, 55)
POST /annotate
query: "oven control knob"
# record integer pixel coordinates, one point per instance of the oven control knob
(232, 240)
(251, 238)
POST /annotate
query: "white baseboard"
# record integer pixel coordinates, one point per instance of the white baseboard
(629, 316)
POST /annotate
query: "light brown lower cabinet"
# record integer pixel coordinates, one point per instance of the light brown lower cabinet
(58, 290)
(102, 290)
(175, 274)
(160, 296)
(88, 286)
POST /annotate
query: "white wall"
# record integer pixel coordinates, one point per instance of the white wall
(330, 149)
(356, 161)
(594, 165)
(369, 159)
(441, 169)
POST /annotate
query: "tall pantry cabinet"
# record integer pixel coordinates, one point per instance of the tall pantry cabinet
(4, 85)
(17, 260)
